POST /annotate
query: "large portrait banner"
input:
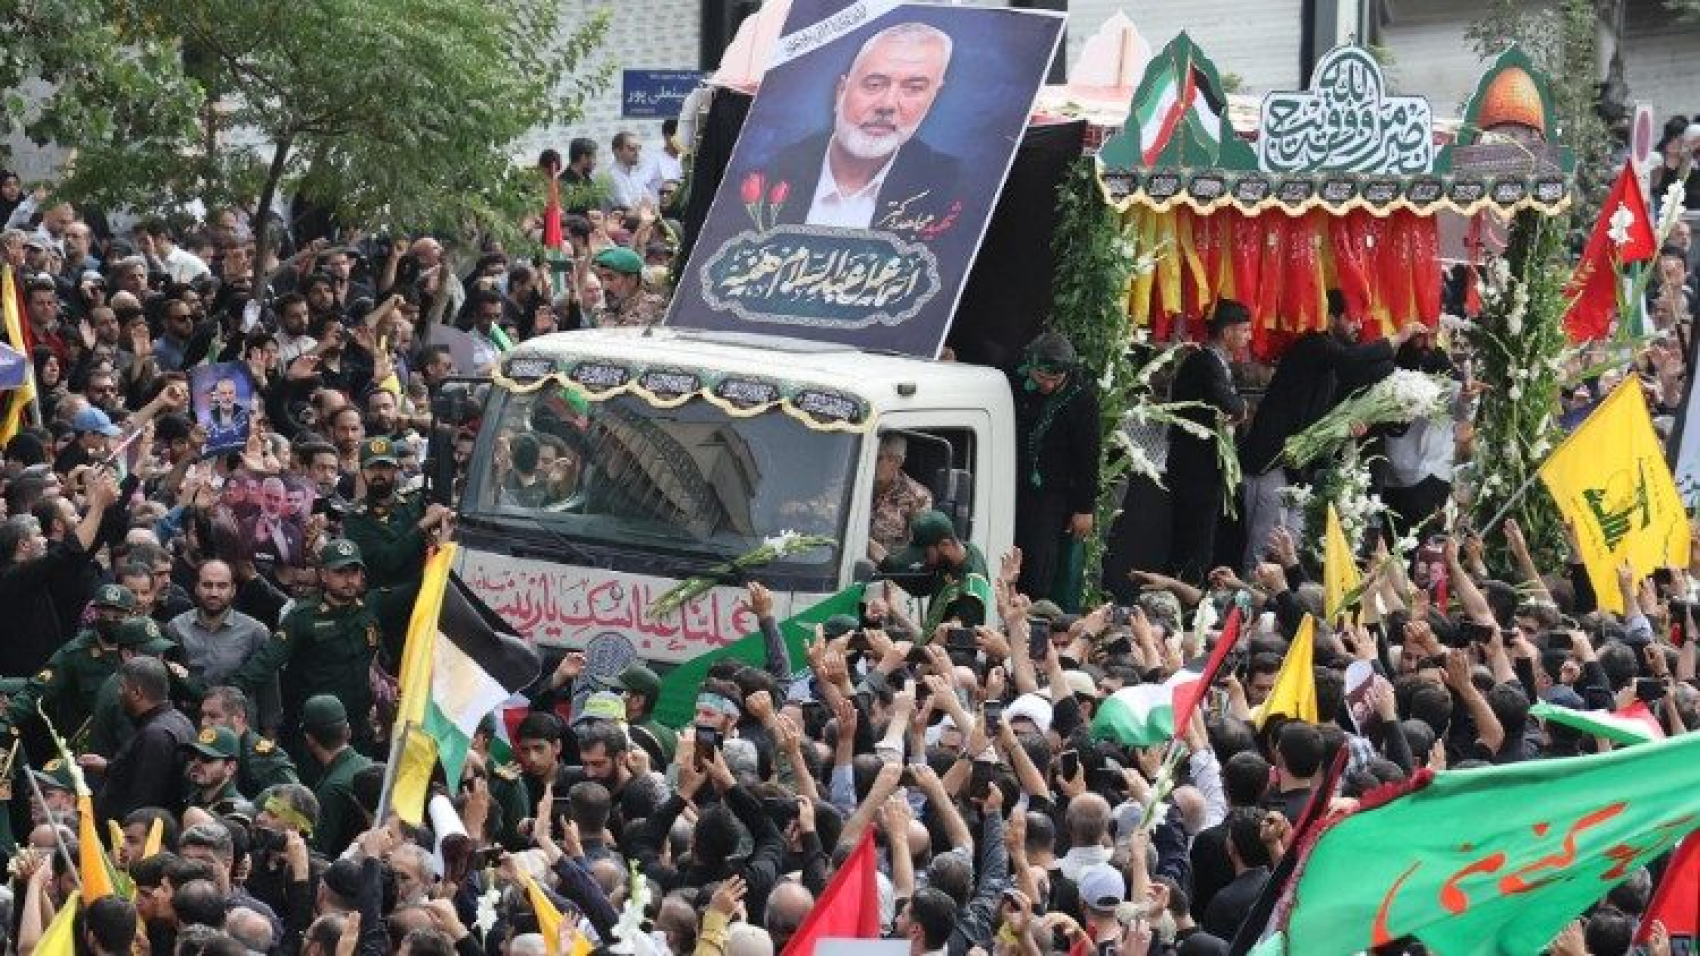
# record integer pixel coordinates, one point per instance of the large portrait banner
(865, 176)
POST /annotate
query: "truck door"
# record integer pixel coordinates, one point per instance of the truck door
(948, 454)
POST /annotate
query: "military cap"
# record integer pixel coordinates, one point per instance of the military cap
(340, 553)
(323, 712)
(55, 774)
(216, 743)
(143, 634)
(639, 680)
(114, 596)
(377, 451)
(929, 528)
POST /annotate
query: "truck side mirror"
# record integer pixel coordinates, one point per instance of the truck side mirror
(956, 499)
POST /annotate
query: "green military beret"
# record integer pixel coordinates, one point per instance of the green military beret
(55, 774)
(620, 259)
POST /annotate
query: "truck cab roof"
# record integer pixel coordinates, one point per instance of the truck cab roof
(885, 380)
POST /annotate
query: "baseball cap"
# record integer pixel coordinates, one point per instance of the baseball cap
(340, 553)
(839, 625)
(602, 705)
(114, 596)
(639, 680)
(1102, 888)
(931, 527)
(216, 743)
(93, 420)
(323, 712)
(377, 451)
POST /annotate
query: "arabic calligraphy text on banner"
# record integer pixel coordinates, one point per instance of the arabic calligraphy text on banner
(1346, 122)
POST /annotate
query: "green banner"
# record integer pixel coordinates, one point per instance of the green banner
(1494, 860)
(680, 685)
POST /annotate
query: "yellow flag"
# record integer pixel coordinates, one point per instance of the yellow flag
(96, 870)
(156, 838)
(59, 938)
(419, 753)
(1610, 480)
(12, 421)
(1294, 694)
(1339, 568)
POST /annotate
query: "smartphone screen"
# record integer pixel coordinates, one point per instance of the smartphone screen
(1068, 763)
(1038, 639)
(993, 711)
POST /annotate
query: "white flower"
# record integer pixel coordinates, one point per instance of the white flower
(1671, 209)
(781, 542)
(485, 918)
(1620, 221)
(1515, 392)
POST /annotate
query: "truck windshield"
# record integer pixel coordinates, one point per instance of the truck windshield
(689, 479)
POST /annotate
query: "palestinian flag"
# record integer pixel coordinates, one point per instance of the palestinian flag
(1147, 714)
(1634, 724)
(1184, 95)
(461, 662)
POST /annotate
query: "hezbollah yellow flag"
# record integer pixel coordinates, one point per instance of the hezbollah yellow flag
(1339, 568)
(12, 421)
(91, 859)
(1610, 480)
(549, 921)
(156, 837)
(59, 938)
(1294, 694)
(419, 752)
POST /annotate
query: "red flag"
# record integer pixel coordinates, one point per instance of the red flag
(849, 907)
(1677, 902)
(1187, 696)
(1594, 285)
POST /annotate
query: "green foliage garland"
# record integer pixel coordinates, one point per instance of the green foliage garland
(1520, 349)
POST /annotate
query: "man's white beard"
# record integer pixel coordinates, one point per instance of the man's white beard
(865, 145)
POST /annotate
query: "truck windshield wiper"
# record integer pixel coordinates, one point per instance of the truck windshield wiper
(571, 549)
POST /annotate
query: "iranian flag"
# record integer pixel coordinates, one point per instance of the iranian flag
(1184, 95)
(1147, 714)
(1634, 724)
(460, 663)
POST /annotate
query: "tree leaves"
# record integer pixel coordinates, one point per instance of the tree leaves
(403, 113)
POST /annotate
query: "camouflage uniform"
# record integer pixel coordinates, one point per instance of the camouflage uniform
(894, 508)
(641, 308)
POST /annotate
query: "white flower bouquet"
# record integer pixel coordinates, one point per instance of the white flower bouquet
(1404, 396)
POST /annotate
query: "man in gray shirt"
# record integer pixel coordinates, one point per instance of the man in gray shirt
(217, 641)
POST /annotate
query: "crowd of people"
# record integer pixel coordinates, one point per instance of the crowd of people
(227, 709)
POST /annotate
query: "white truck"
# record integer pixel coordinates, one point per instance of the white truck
(664, 453)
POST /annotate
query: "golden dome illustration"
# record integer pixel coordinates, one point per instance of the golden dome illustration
(1512, 97)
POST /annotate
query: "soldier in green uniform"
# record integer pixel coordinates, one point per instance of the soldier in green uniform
(261, 763)
(110, 727)
(392, 531)
(212, 773)
(948, 571)
(66, 689)
(324, 723)
(323, 648)
(642, 688)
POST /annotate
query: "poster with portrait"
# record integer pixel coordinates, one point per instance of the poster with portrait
(865, 176)
(223, 398)
(270, 514)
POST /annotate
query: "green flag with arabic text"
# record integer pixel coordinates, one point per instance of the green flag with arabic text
(1491, 861)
